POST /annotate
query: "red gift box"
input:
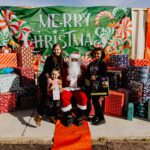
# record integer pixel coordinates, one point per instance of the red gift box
(7, 102)
(25, 56)
(139, 62)
(26, 76)
(114, 103)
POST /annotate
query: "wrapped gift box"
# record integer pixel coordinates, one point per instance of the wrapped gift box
(139, 62)
(26, 76)
(114, 103)
(8, 60)
(26, 102)
(7, 102)
(138, 73)
(119, 60)
(25, 56)
(9, 82)
(26, 97)
(26, 91)
(136, 91)
(141, 109)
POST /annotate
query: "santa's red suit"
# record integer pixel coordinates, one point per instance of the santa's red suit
(72, 83)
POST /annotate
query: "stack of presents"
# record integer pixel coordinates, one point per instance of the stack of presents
(129, 83)
(17, 88)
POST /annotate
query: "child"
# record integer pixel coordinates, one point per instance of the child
(52, 103)
(97, 70)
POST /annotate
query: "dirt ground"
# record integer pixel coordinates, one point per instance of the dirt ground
(101, 144)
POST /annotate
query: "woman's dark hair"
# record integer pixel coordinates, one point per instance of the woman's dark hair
(98, 49)
(55, 45)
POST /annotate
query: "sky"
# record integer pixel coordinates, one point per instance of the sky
(77, 3)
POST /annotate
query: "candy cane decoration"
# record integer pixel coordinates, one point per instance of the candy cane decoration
(23, 31)
(103, 13)
(7, 20)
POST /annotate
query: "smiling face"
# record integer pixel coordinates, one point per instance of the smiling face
(55, 74)
(97, 54)
(57, 50)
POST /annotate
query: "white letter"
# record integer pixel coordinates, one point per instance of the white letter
(62, 40)
(36, 41)
(87, 19)
(55, 21)
(48, 41)
(67, 22)
(69, 36)
(42, 22)
(77, 20)
(80, 41)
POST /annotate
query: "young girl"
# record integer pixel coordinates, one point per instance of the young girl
(96, 71)
(52, 102)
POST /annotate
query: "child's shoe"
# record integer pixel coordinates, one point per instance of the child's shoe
(53, 120)
(38, 119)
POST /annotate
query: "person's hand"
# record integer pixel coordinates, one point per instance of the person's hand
(66, 59)
(105, 83)
(87, 82)
(49, 81)
(93, 77)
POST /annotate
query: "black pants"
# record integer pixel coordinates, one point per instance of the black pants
(98, 108)
(48, 107)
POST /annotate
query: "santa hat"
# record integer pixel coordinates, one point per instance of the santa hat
(74, 55)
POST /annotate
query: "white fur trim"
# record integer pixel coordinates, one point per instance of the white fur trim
(71, 89)
(77, 56)
(82, 107)
(65, 109)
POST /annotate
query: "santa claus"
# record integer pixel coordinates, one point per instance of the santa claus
(72, 83)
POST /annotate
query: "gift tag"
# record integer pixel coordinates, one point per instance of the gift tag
(56, 91)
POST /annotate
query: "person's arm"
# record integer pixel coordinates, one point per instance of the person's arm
(87, 76)
(60, 85)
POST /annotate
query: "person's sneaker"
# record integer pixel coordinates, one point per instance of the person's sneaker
(67, 121)
(38, 119)
(53, 120)
(98, 121)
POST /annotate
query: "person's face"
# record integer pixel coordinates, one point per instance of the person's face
(57, 51)
(97, 55)
(74, 60)
(55, 75)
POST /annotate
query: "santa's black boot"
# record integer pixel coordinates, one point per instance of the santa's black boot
(79, 117)
(67, 119)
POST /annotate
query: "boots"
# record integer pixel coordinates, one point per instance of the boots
(67, 119)
(79, 116)
(38, 120)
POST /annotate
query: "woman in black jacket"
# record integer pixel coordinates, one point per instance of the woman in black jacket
(53, 61)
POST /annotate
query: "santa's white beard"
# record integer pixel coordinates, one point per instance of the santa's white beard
(74, 71)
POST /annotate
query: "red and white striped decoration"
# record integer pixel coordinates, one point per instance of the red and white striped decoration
(8, 60)
(103, 13)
